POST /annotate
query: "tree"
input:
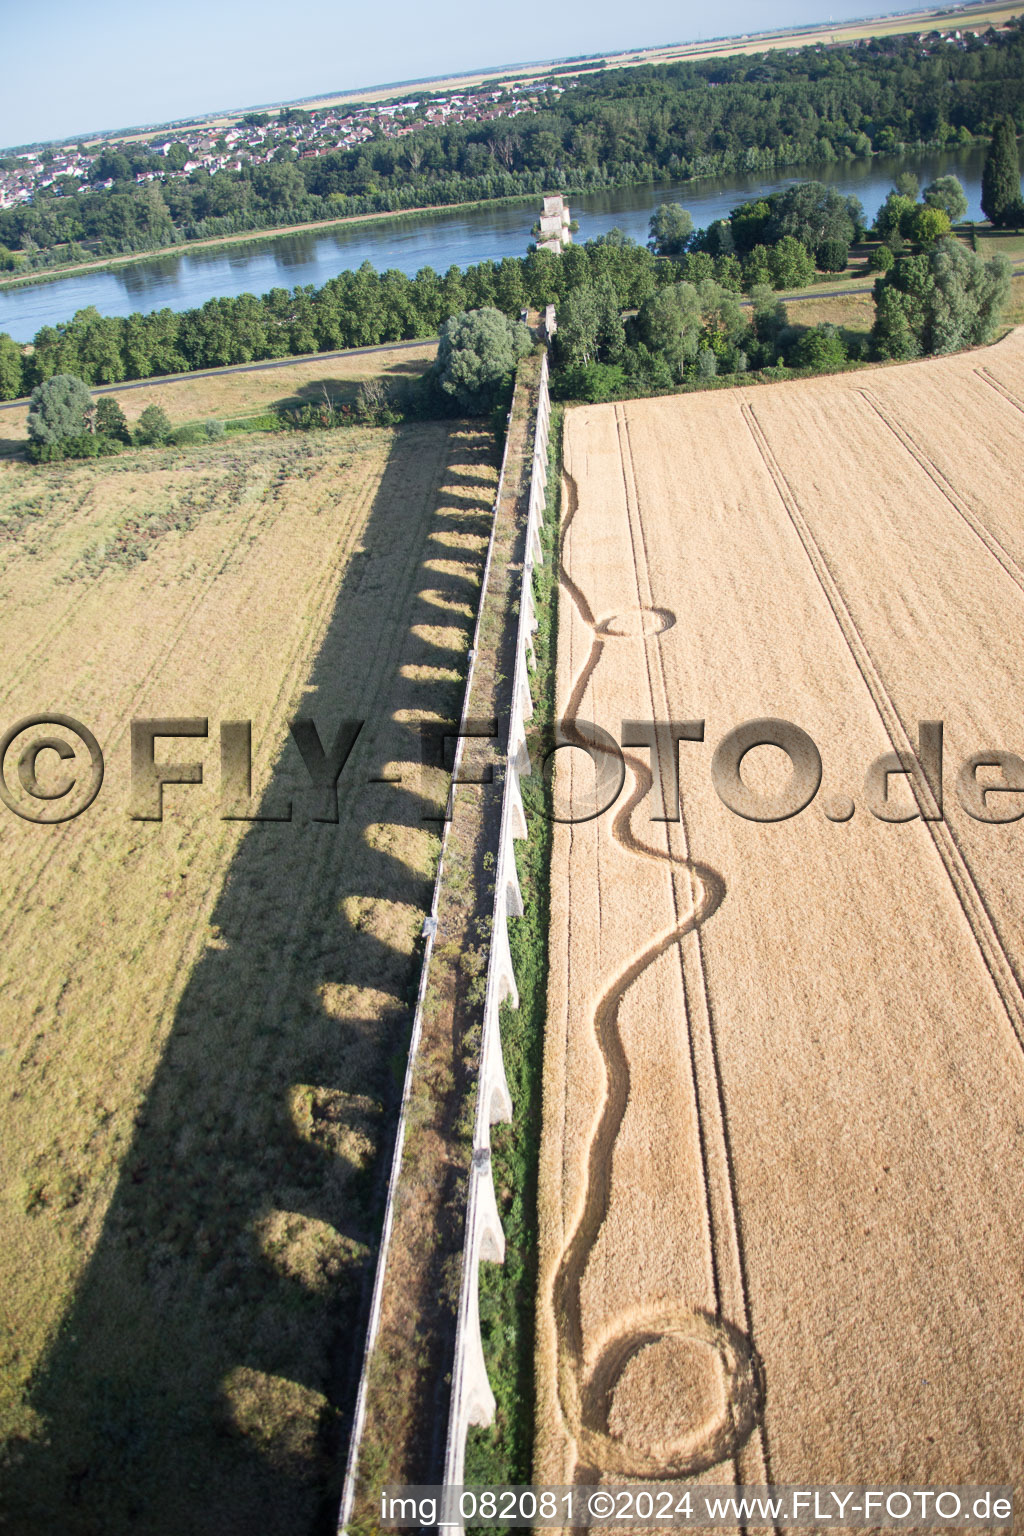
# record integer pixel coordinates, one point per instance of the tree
(110, 419)
(748, 223)
(510, 289)
(477, 354)
(833, 256)
(881, 259)
(893, 334)
(611, 332)
(969, 297)
(615, 237)
(698, 267)
(154, 426)
(670, 324)
(757, 270)
(1000, 179)
(707, 363)
(768, 320)
(947, 193)
(719, 239)
(907, 185)
(681, 321)
(61, 407)
(453, 293)
(943, 300)
(729, 272)
(671, 229)
(790, 263)
(929, 225)
(811, 212)
(11, 380)
(893, 220)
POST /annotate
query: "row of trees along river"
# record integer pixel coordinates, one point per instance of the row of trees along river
(440, 240)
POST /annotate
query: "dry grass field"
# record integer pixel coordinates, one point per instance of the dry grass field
(782, 1214)
(204, 1020)
(854, 313)
(233, 394)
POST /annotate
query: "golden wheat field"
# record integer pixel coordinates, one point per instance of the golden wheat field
(782, 1214)
(204, 1021)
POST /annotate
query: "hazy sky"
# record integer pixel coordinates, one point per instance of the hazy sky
(73, 67)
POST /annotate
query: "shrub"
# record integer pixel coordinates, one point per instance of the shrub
(214, 429)
(375, 405)
(85, 445)
(822, 348)
(881, 259)
(188, 435)
(595, 383)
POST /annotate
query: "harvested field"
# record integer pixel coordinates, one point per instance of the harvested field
(204, 1021)
(241, 393)
(782, 1214)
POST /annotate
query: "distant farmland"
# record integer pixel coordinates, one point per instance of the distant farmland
(782, 1213)
(204, 1020)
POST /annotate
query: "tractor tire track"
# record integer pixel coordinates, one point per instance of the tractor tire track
(997, 550)
(586, 1394)
(988, 377)
(725, 1227)
(972, 902)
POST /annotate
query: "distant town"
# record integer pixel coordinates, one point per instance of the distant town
(292, 132)
(256, 139)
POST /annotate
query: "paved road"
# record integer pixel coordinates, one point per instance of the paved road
(842, 293)
(391, 346)
(212, 373)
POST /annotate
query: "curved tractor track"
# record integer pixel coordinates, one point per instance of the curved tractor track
(587, 1387)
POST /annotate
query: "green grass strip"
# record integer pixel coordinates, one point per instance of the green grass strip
(508, 1292)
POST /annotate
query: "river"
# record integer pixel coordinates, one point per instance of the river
(439, 240)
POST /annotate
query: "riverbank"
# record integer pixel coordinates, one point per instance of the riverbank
(250, 237)
(255, 239)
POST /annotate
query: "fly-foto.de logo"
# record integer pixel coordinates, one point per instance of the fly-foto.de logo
(52, 769)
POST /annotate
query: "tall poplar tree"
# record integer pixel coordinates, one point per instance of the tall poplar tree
(1000, 180)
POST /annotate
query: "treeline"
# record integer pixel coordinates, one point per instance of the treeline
(618, 304)
(355, 309)
(647, 124)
